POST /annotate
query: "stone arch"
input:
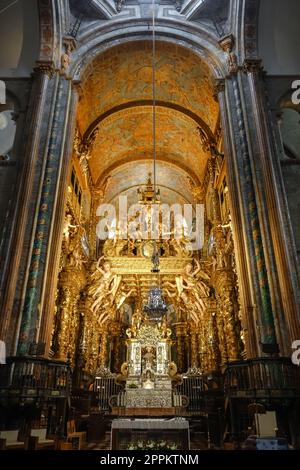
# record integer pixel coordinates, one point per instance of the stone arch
(203, 45)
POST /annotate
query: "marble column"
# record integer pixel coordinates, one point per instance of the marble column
(39, 112)
(253, 267)
(47, 300)
(246, 284)
(282, 257)
(50, 176)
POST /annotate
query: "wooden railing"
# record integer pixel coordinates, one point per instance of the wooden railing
(32, 376)
(262, 374)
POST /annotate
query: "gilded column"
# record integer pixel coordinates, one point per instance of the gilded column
(231, 324)
(180, 331)
(202, 344)
(222, 337)
(212, 336)
(194, 362)
(116, 332)
(103, 353)
(67, 316)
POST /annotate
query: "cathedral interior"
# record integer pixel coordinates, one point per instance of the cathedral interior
(159, 103)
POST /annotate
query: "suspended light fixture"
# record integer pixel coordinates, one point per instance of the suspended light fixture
(156, 305)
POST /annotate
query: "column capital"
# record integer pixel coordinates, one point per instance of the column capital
(45, 68)
(252, 66)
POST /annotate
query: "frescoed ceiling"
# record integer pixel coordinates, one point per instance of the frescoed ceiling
(124, 74)
(127, 135)
(117, 97)
(171, 180)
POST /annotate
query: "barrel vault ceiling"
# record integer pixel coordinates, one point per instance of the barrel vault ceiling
(116, 97)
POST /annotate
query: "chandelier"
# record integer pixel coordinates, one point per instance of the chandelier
(156, 305)
(147, 196)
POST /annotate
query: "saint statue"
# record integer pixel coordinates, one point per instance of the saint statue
(149, 357)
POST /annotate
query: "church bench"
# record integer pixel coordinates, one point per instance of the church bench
(9, 440)
(39, 439)
(77, 435)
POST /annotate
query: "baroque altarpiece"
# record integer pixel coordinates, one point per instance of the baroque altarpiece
(103, 286)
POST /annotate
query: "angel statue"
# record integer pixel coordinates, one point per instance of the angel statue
(122, 296)
(195, 279)
(191, 288)
(190, 305)
(105, 290)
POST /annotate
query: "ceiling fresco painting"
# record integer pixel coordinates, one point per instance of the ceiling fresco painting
(116, 98)
(172, 181)
(124, 74)
(128, 134)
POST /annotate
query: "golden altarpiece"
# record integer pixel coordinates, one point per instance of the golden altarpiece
(101, 324)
